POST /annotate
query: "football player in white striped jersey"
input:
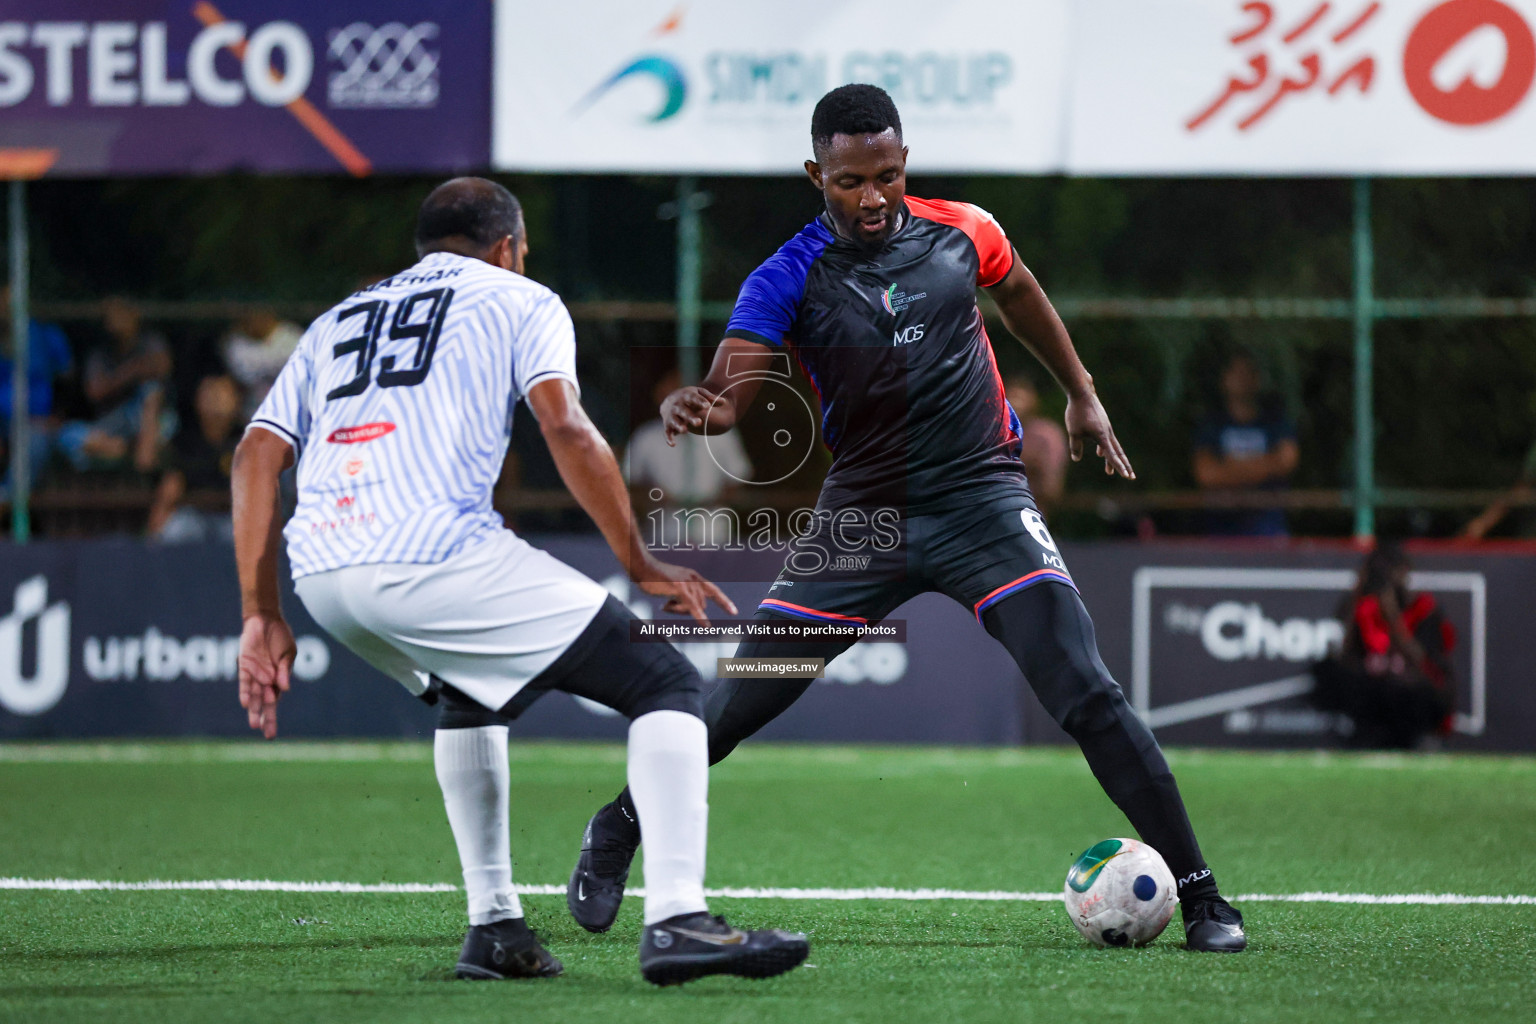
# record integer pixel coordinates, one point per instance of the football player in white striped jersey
(397, 406)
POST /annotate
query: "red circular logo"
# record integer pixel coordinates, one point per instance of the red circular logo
(1442, 30)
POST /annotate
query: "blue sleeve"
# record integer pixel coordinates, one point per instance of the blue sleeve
(769, 300)
(765, 309)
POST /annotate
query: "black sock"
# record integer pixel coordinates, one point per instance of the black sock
(1197, 887)
(627, 816)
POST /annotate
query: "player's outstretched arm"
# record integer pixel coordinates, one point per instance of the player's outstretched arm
(726, 393)
(1032, 319)
(591, 473)
(266, 642)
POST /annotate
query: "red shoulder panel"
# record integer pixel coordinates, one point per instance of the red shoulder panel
(992, 246)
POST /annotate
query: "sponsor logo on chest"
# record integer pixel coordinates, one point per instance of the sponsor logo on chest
(359, 435)
(895, 300)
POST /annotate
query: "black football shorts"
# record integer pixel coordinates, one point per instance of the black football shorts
(857, 565)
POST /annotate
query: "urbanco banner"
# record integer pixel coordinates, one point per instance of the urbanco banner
(123, 87)
(1286, 87)
(659, 86)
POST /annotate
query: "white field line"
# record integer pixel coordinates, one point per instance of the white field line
(730, 892)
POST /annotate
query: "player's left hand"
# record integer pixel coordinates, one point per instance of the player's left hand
(266, 662)
(1088, 422)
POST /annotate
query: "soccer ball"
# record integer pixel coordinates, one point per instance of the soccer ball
(1120, 893)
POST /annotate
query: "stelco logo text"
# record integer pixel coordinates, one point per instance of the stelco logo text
(1238, 631)
(33, 683)
(128, 64)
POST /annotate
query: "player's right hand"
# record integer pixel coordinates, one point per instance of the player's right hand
(1088, 423)
(266, 663)
(684, 410)
(687, 592)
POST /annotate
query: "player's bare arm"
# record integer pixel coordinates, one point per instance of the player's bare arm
(719, 402)
(266, 643)
(591, 473)
(1031, 318)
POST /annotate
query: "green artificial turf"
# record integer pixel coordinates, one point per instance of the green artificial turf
(780, 816)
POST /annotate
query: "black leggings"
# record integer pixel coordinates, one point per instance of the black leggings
(1048, 632)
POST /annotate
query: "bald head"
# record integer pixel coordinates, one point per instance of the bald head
(469, 216)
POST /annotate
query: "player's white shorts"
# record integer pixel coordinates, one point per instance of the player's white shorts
(487, 620)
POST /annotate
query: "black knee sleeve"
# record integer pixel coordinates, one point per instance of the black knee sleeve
(668, 683)
(457, 710)
(632, 677)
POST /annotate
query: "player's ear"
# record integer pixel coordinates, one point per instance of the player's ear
(504, 254)
(813, 171)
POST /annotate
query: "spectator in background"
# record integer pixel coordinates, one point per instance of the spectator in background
(1043, 445)
(48, 358)
(1393, 677)
(1247, 445)
(698, 473)
(125, 382)
(1495, 513)
(256, 350)
(199, 459)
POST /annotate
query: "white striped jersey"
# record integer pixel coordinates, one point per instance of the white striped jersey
(399, 403)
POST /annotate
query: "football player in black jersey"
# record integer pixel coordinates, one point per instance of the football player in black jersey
(876, 300)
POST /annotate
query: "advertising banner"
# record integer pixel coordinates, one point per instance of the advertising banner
(1222, 653)
(123, 87)
(1275, 87)
(117, 638)
(729, 87)
(1303, 87)
(1212, 644)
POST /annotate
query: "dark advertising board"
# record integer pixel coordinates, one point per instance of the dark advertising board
(1213, 644)
(122, 87)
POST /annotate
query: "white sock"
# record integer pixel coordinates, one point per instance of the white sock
(472, 771)
(669, 780)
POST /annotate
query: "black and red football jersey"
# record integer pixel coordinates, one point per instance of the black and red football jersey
(893, 343)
